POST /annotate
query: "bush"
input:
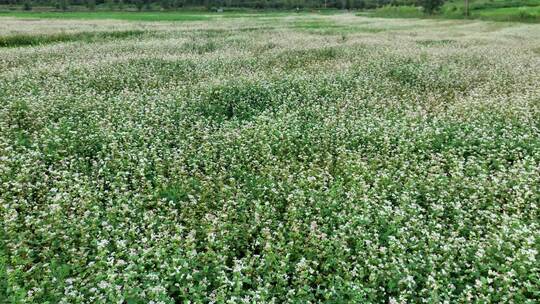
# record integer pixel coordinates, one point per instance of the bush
(62, 5)
(91, 4)
(165, 4)
(139, 4)
(431, 6)
(27, 6)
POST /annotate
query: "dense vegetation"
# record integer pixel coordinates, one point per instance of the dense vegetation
(294, 159)
(497, 10)
(175, 4)
(500, 10)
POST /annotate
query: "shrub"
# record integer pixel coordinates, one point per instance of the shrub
(431, 6)
(27, 6)
(91, 4)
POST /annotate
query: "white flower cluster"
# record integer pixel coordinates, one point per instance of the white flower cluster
(299, 159)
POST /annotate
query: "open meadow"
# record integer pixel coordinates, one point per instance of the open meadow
(281, 158)
(527, 11)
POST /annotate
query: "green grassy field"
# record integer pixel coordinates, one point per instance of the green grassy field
(289, 158)
(494, 10)
(141, 16)
(497, 10)
(526, 14)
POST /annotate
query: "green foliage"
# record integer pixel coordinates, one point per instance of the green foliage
(3, 269)
(91, 4)
(522, 14)
(139, 4)
(62, 5)
(498, 10)
(40, 39)
(493, 4)
(27, 6)
(132, 16)
(165, 4)
(210, 5)
(398, 12)
(431, 6)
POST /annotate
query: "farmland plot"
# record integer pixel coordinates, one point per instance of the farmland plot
(294, 159)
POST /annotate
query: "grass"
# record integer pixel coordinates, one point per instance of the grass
(398, 12)
(492, 4)
(305, 159)
(521, 11)
(18, 40)
(495, 10)
(183, 15)
(132, 16)
(526, 14)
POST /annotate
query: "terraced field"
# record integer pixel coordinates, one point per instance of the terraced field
(277, 159)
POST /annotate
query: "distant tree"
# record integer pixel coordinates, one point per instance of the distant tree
(431, 6)
(62, 4)
(91, 4)
(381, 3)
(27, 6)
(259, 4)
(178, 3)
(147, 5)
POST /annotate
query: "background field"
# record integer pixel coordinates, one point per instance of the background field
(287, 158)
(186, 10)
(183, 15)
(497, 10)
(494, 10)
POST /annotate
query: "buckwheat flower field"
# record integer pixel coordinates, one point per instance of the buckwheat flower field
(289, 159)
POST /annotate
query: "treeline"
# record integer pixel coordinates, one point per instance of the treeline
(210, 4)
